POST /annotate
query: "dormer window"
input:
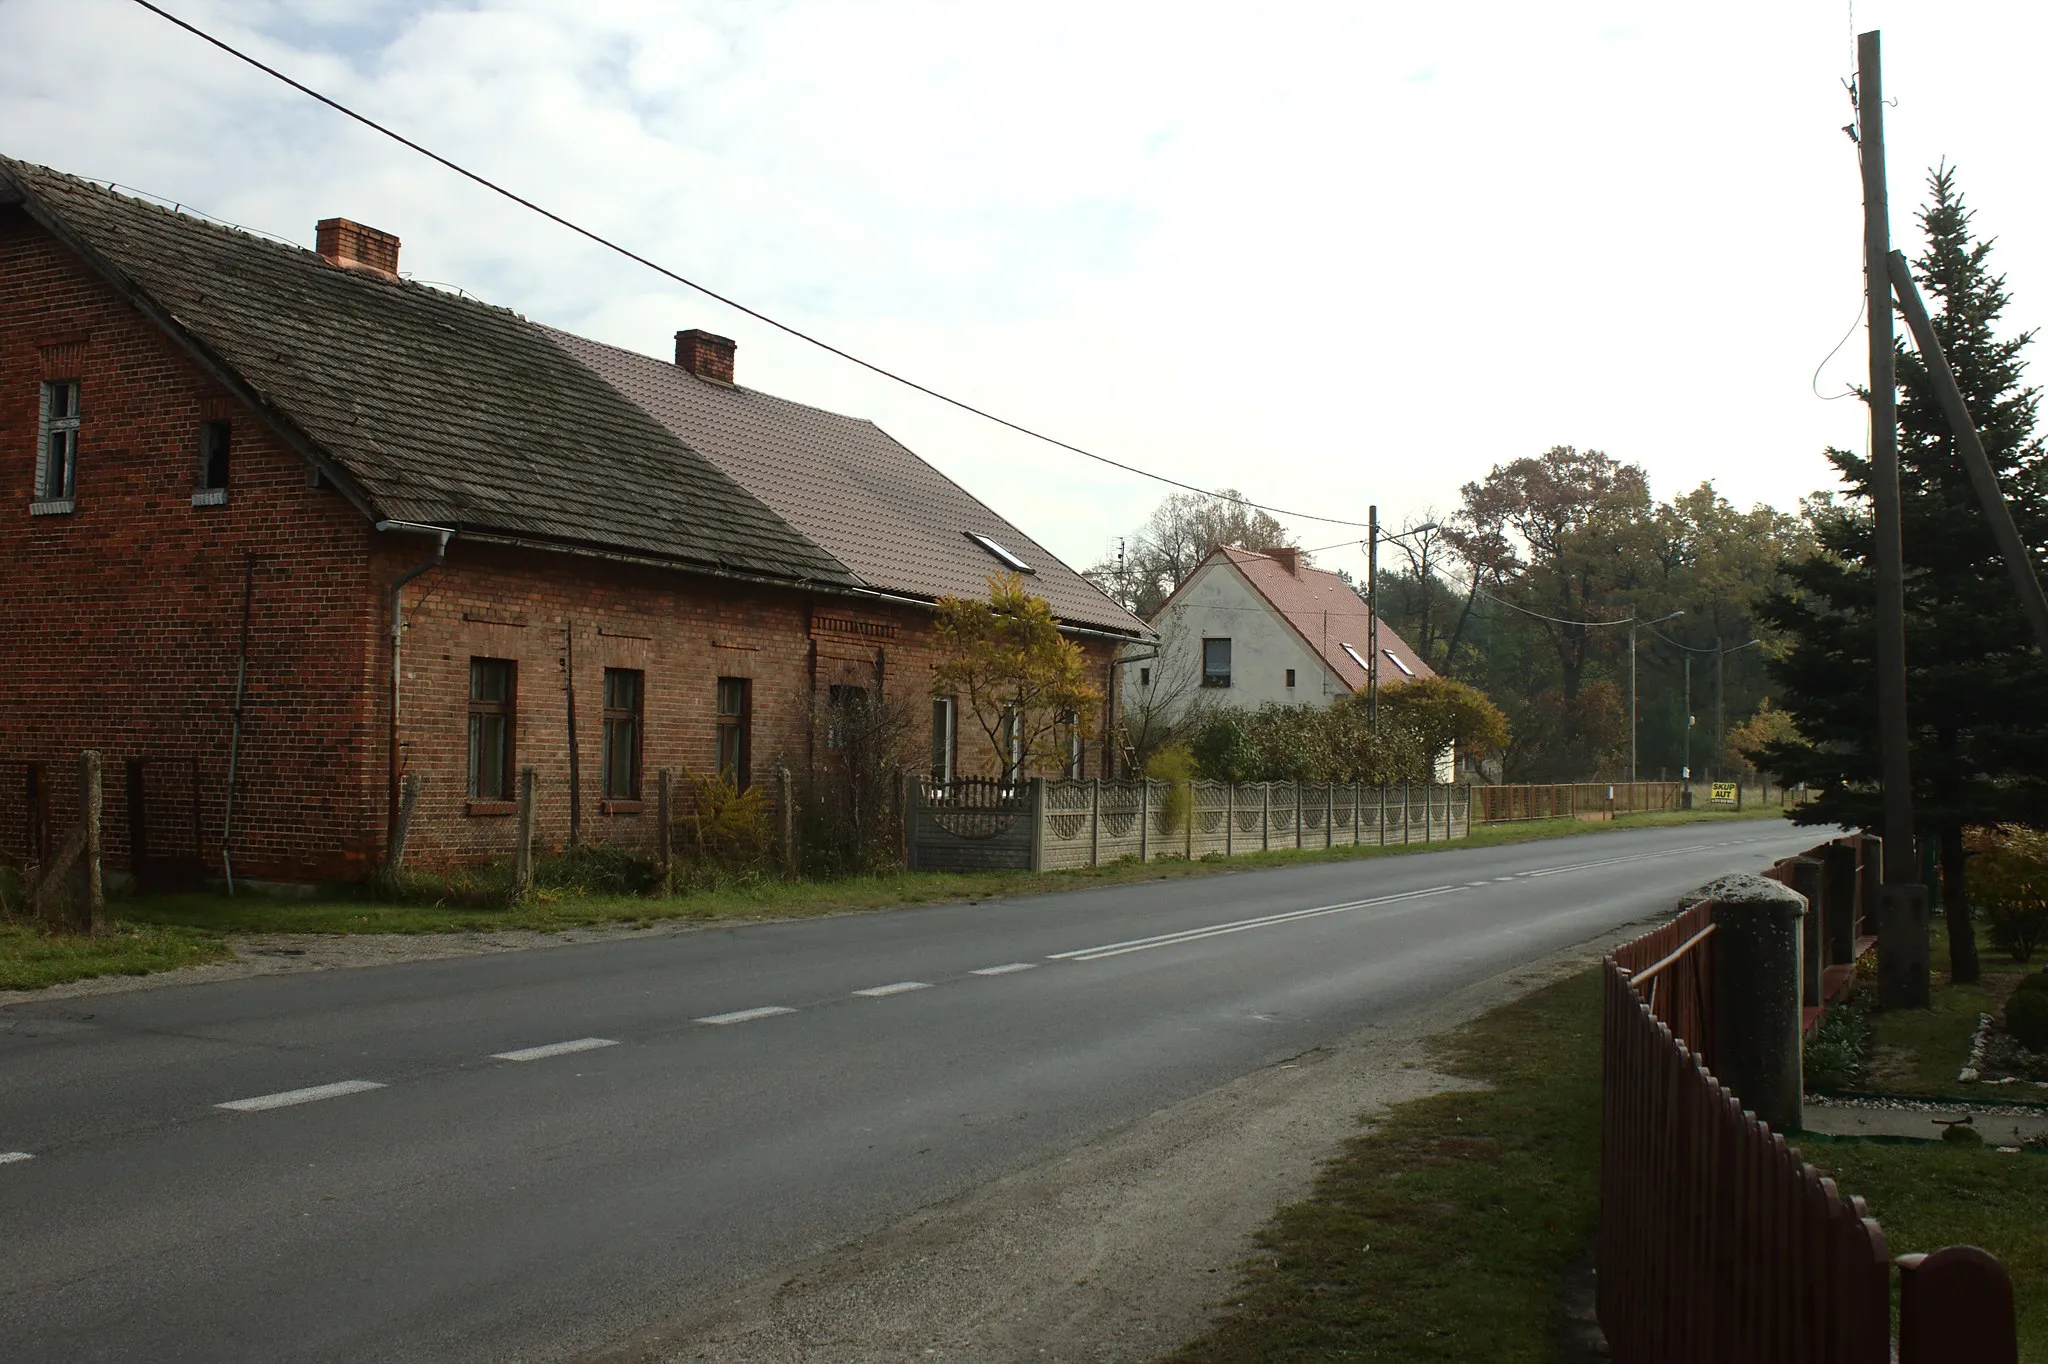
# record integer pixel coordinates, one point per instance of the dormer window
(1355, 656)
(1395, 659)
(1007, 559)
(212, 489)
(57, 448)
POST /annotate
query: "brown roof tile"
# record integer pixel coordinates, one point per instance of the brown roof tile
(1329, 615)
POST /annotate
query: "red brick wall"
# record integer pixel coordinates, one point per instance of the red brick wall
(681, 631)
(122, 620)
(122, 623)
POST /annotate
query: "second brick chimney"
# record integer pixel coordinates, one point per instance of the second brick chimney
(355, 247)
(1287, 558)
(705, 355)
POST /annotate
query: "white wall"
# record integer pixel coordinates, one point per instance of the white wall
(1217, 603)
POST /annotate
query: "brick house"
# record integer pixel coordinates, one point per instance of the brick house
(417, 534)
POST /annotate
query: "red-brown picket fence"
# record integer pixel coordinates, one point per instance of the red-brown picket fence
(1718, 1243)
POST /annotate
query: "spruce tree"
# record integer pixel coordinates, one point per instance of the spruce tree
(1977, 691)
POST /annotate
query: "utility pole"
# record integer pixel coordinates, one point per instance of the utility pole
(1884, 471)
(1686, 771)
(1903, 976)
(1631, 700)
(1372, 616)
(1720, 738)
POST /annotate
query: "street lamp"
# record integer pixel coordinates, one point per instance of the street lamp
(1632, 624)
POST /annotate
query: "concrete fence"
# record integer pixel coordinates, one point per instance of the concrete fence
(1042, 825)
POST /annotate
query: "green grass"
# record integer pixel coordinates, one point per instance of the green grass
(31, 959)
(1919, 1051)
(1446, 1231)
(180, 929)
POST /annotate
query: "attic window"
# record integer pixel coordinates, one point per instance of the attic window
(1008, 559)
(1406, 671)
(1354, 656)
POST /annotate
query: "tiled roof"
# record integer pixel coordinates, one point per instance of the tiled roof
(1328, 614)
(439, 408)
(847, 484)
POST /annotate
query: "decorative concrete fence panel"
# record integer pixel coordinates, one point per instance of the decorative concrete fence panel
(1044, 825)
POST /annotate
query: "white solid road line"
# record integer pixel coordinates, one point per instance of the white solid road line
(9, 1157)
(1118, 949)
(300, 1096)
(745, 1015)
(901, 987)
(1003, 970)
(554, 1049)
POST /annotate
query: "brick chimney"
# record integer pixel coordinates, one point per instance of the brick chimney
(1287, 558)
(705, 355)
(352, 246)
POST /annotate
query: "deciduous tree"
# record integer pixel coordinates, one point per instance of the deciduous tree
(1025, 683)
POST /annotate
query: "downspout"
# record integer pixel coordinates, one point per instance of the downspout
(397, 635)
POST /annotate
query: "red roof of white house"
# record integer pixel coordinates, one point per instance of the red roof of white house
(1326, 613)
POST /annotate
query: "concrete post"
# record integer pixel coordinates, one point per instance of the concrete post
(522, 854)
(1038, 824)
(1839, 923)
(1757, 940)
(1807, 879)
(1902, 974)
(1144, 819)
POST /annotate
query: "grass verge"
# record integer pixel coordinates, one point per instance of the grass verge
(31, 958)
(201, 918)
(1447, 1230)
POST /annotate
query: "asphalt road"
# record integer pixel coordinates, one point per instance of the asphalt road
(740, 1097)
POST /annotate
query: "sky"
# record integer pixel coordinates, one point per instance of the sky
(1333, 255)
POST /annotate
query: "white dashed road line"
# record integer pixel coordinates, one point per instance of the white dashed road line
(1118, 949)
(300, 1096)
(9, 1157)
(745, 1015)
(1003, 970)
(901, 987)
(554, 1049)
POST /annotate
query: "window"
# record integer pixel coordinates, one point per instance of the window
(491, 695)
(57, 448)
(623, 688)
(212, 490)
(945, 738)
(735, 729)
(1356, 657)
(1071, 769)
(1144, 677)
(1215, 662)
(1290, 677)
(1008, 559)
(1394, 659)
(844, 706)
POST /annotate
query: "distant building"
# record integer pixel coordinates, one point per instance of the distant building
(417, 534)
(1249, 627)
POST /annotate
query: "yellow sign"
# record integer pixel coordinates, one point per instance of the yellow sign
(1724, 792)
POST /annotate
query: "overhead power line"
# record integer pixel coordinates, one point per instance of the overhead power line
(711, 293)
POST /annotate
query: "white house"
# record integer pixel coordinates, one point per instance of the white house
(1252, 626)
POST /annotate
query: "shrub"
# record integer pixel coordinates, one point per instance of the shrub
(1834, 1056)
(1174, 765)
(2026, 1018)
(723, 831)
(597, 869)
(2008, 876)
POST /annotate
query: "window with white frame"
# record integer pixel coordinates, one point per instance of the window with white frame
(1076, 754)
(57, 444)
(1013, 744)
(945, 738)
(1215, 662)
(1395, 659)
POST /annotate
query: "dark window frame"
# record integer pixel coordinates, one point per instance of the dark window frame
(60, 426)
(216, 439)
(1211, 675)
(633, 719)
(735, 727)
(506, 711)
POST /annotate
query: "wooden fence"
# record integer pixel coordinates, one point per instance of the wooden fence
(1717, 1241)
(1563, 800)
(1042, 825)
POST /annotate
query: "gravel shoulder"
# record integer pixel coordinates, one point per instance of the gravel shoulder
(1113, 1253)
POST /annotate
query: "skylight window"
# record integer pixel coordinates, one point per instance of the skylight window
(1392, 658)
(1008, 559)
(1355, 658)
